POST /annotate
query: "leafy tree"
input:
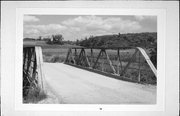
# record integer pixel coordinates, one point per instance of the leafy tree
(56, 39)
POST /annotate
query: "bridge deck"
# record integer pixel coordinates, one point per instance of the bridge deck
(77, 86)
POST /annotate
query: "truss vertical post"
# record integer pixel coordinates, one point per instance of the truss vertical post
(67, 56)
(92, 57)
(31, 63)
(102, 64)
(28, 60)
(139, 68)
(24, 57)
(71, 56)
(80, 57)
(119, 62)
(75, 53)
(35, 65)
(86, 58)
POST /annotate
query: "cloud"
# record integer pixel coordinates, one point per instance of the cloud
(28, 18)
(141, 18)
(42, 30)
(94, 24)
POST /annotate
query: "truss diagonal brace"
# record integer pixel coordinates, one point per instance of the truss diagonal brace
(125, 69)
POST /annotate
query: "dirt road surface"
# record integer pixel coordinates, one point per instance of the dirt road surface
(76, 86)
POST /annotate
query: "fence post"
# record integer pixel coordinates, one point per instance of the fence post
(87, 61)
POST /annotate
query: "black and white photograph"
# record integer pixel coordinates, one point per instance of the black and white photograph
(76, 58)
(89, 59)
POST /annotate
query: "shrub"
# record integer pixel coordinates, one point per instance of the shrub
(34, 95)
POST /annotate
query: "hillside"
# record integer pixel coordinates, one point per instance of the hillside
(144, 40)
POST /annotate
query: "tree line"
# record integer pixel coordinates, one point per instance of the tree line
(144, 40)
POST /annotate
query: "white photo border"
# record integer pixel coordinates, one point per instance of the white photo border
(161, 37)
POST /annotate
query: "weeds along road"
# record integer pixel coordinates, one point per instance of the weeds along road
(77, 86)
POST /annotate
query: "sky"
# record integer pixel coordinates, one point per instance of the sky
(74, 27)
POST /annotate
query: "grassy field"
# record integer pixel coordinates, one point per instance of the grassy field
(54, 54)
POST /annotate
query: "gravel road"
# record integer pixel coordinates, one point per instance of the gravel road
(77, 86)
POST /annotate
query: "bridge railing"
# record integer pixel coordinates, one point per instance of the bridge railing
(33, 76)
(132, 64)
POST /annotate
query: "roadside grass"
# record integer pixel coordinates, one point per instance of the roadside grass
(54, 55)
(34, 95)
